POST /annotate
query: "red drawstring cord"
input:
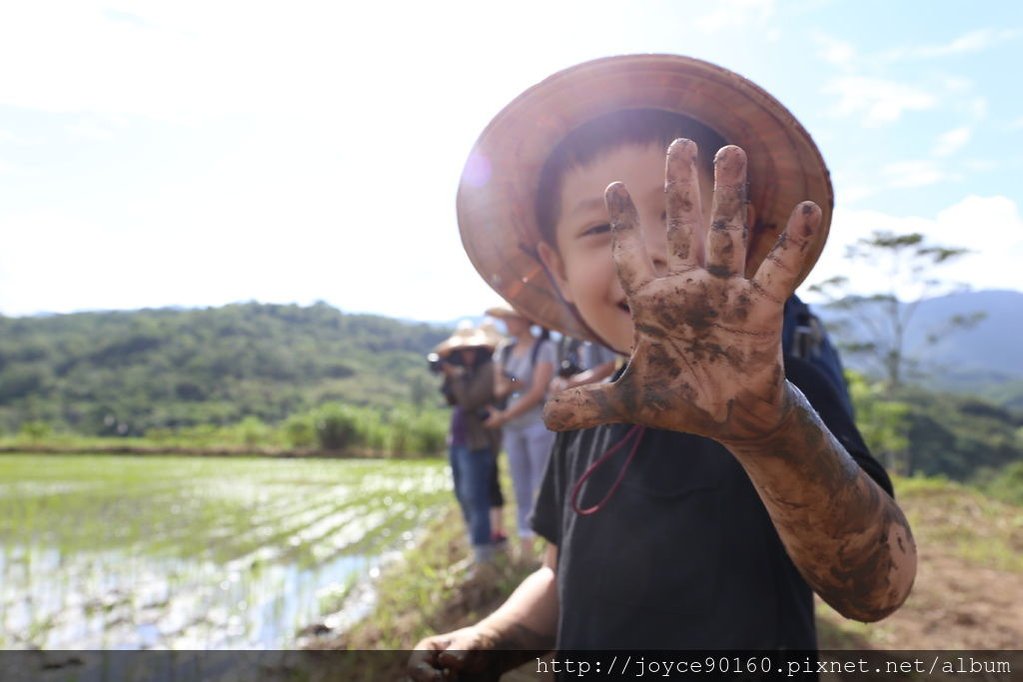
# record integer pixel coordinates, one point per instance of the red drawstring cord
(636, 430)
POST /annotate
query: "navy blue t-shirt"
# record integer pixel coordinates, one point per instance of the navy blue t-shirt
(684, 554)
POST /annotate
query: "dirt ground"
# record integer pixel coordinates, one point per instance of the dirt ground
(954, 605)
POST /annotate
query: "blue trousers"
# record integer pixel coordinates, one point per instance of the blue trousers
(473, 472)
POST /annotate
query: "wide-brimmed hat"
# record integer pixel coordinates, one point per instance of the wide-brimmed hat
(503, 311)
(467, 337)
(497, 194)
(488, 327)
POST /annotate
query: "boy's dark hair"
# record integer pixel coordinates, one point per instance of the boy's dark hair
(606, 133)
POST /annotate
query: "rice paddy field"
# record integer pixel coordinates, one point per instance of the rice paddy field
(116, 552)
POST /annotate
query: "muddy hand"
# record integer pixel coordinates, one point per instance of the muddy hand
(706, 354)
(465, 654)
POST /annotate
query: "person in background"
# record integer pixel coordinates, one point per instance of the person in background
(598, 364)
(465, 360)
(498, 534)
(523, 368)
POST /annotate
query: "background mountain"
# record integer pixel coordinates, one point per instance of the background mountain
(986, 360)
(123, 373)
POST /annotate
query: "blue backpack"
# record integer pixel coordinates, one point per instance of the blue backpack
(804, 336)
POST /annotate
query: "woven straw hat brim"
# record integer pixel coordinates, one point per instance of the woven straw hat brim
(504, 312)
(472, 338)
(498, 189)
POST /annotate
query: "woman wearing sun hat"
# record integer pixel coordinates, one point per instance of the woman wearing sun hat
(465, 360)
(701, 498)
(523, 368)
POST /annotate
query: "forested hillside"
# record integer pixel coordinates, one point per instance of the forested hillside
(123, 373)
(291, 376)
(984, 359)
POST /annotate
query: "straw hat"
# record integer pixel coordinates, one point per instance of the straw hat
(489, 327)
(504, 311)
(498, 190)
(466, 337)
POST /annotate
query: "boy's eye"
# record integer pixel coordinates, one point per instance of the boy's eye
(597, 229)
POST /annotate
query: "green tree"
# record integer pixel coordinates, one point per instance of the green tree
(34, 430)
(884, 424)
(252, 431)
(874, 326)
(126, 373)
(300, 431)
(336, 427)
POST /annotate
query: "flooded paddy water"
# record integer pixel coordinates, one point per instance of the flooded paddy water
(115, 552)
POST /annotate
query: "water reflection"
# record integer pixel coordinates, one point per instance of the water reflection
(248, 576)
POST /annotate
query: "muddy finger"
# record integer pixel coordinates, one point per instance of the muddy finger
(778, 275)
(628, 248)
(580, 408)
(683, 206)
(726, 240)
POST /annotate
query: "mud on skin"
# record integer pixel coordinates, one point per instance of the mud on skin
(873, 532)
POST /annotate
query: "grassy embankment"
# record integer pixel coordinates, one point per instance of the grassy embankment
(971, 569)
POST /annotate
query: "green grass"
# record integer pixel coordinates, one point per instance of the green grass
(981, 530)
(424, 593)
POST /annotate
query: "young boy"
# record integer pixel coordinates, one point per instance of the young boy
(696, 501)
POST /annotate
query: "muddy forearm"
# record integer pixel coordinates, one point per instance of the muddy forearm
(846, 536)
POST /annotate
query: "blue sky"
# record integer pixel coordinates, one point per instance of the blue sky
(199, 153)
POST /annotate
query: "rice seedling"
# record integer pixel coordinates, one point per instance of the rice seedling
(187, 552)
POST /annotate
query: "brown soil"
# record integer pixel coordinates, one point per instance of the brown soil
(954, 605)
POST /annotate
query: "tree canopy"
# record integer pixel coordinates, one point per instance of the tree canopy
(123, 373)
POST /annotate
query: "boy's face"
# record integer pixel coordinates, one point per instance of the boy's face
(581, 258)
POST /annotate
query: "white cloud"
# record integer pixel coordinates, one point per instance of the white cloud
(834, 51)
(89, 131)
(952, 141)
(916, 173)
(188, 61)
(878, 101)
(980, 165)
(731, 13)
(974, 41)
(977, 107)
(7, 137)
(991, 227)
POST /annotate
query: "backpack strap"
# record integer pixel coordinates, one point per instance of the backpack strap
(805, 337)
(534, 352)
(506, 352)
